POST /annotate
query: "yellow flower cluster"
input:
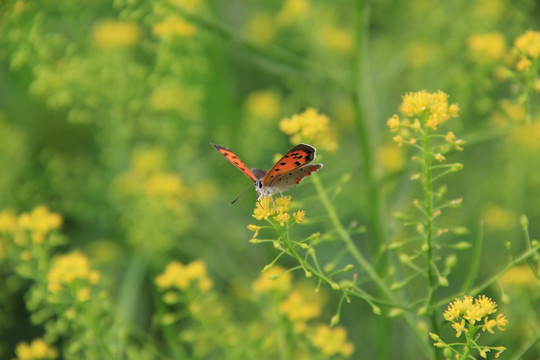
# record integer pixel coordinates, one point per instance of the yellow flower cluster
(38, 223)
(423, 111)
(38, 349)
(488, 47)
(174, 26)
(433, 107)
(293, 10)
(468, 311)
(310, 127)
(113, 34)
(332, 341)
(299, 308)
(178, 275)
(528, 48)
(337, 39)
(278, 209)
(69, 269)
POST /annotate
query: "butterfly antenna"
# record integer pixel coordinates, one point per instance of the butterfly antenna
(242, 193)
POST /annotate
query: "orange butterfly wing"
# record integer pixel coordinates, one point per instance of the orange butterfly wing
(233, 158)
(292, 164)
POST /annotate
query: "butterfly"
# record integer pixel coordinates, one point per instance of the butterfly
(286, 173)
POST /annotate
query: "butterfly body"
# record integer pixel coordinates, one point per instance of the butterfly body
(287, 172)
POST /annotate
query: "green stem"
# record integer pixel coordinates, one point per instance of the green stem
(429, 235)
(365, 136)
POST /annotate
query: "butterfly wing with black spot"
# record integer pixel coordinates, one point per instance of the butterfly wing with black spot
(292, 168)
(233, 158)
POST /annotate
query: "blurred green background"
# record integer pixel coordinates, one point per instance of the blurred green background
(108, 108)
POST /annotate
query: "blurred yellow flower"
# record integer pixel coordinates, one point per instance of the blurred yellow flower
(300, 308)
(263, 104)
(268, 281)
(488, 47)
(114, 34)
(148, 160)
(69, 268)
(332, 341)
(174, 26)
(519, 276)
(40, 221)
(337, 39)
(261, 28)
(38, 349)
(182, 276)
(392, 158)
(498, 218)
(293, 10)
(310, 127)
(8, 221)
(529, 44)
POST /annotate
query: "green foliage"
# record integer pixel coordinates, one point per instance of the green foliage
(116, 235)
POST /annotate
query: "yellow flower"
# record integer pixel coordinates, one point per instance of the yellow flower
(520, 275)
(459, 327)
(68, 268)
(282, 218)
(392, 158)
(40, 221)
(488, 47)
(311, 127)
(498, 218)
(113, 34)
(182, 276)
(254, 228)
(299, 216)
(174, 26)
(263, 104)
(264, 208)
(165, 186)
(501, 322)
(529, 43)
(337, 39)
(393, 123)
(83, 294)
(293, 10)
(8, 221)
(268, 281)
(332, 341)
(439, 157)
(38, 349)
(434, 106)
(261, 28)
(299, 309)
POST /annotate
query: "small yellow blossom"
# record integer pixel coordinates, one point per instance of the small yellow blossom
(165, 186)
(519, 276)
(255, 229)
(332, 341)
(38, 349)
(174, 26)
(299, 216)
(488, 47)
(263, 104)
(459, 327)
(393, 123)
(523, 65)
(69, 268)
(337, 39)
(469, 311)
(299, 309)
(268, 281)
(282, 218)
(391, 157)
(529, 44)
(498, 218)
(310, 127)
(113, 34)
(264, 208)
(439, 157)
(83, 294)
